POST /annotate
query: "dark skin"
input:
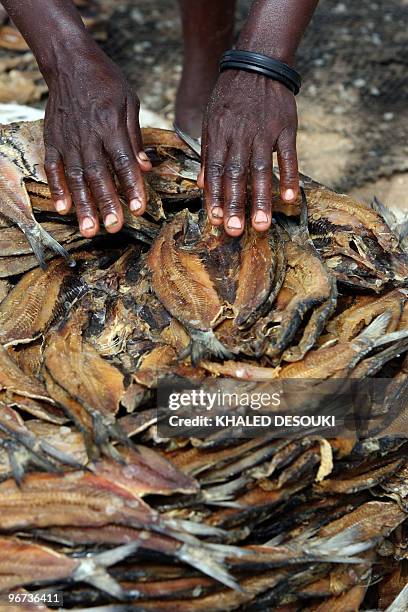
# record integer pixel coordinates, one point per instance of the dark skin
(92, 127)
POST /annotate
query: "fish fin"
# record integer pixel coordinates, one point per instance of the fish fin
(392, 337)
(402, 229)
(98, 577)
(402, 232)
(206, 560)
(385, 213)
(205, 344)
(341, 548)
(106, 429)
(377, 362)
(17, 463)
(110, 557)
(92, 570)
(39, 240)
(193, 143)
(400, 604)
(195, 528)
(20, 455)
(375, 330)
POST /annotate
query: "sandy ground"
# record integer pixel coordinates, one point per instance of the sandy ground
(353, 111)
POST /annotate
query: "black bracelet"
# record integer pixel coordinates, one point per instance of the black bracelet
(262, 64)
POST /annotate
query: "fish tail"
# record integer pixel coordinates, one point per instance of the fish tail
(385, 213)
(105, 430)
(40, 240)
(204, 344)
(341, 548)
(110, 557)
(209, 562)
(374, 331)
(92, 570)
(392, 337)
(195, 528)
(17, 463)
(21, 455)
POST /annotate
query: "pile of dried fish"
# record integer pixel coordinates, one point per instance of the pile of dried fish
(95, 505)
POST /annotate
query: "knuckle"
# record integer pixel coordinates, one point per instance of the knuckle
(261, 165)
(288, 155)
(235, 170)
(94, 170)
(74, 174)
(51, 167)
(290, 174)
(123, 164)
(214, 170)
(57, 191)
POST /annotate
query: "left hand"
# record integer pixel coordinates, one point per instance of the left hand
(248, 118)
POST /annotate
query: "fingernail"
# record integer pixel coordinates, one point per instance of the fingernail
(142, 155)
(260, 217)
(217, 212)
(234, 223)
(111, 220)
(289, 194)
(60, 206)
(135, 204)
(87, 223)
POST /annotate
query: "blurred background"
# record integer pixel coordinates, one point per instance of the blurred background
(353, 107)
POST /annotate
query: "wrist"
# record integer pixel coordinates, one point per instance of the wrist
(252, 40)
(65, 54)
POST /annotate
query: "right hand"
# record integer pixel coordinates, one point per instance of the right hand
(92, 130)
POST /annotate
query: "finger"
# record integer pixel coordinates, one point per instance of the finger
(215, 153)
(235, 187)
(134, 133)
(84, 205)
(288, 166)
(103, 190)
(261, 177)
(54, 169)
(129, 174)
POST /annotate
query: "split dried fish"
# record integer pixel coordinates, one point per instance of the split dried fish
(218, 523)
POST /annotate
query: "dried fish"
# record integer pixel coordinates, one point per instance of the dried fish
(219, 523)
(32, 304)
(183, 285)
(21, 155)
(26, 563)
(255, 293)
(307, 285)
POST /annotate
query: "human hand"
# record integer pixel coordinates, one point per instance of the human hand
(248, 118)
(91, 133)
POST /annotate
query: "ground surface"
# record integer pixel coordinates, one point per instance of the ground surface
(353, 107)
